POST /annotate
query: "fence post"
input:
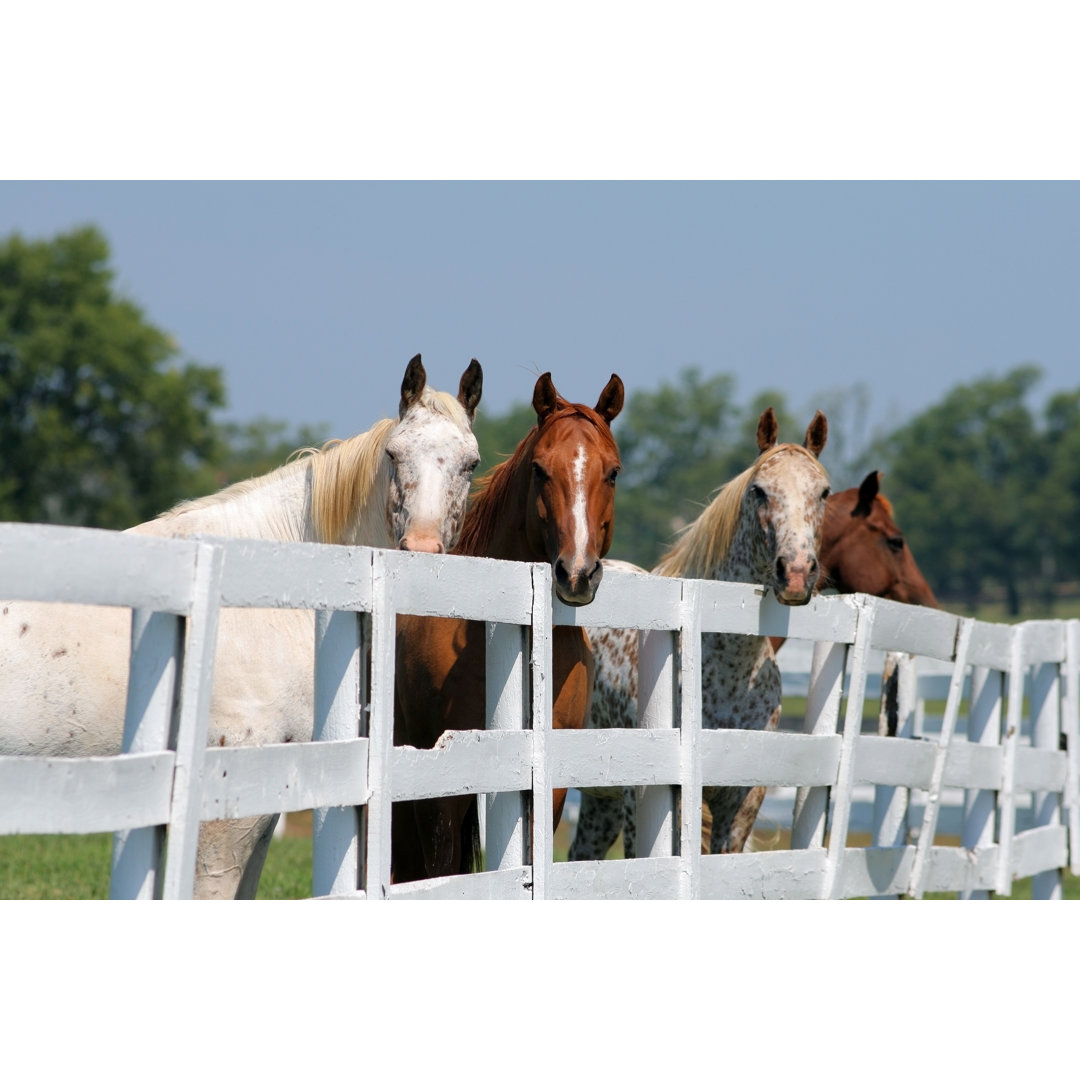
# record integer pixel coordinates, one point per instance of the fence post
(336, 832)
(822, 715)
(1070, 726)
(656, 709)
(689, 743)
(540, 662)
(504, 825)
(1045, 730)
(866, 608)
(196, 682)
(156, 653)
(984, 728)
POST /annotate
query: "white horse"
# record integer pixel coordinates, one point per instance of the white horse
(64, 668)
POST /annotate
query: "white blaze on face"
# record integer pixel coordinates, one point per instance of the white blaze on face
(581, 524)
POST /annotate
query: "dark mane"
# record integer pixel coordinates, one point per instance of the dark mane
(491, 492)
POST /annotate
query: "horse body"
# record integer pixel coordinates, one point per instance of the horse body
(64, 668)
(764, 527)
(551, 501)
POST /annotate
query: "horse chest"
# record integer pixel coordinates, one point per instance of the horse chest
(740, 682)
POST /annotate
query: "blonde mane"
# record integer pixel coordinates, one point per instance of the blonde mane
(349, 477)
(705, 543)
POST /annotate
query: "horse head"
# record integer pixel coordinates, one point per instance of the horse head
(572, 466)
(863, 549)
(788, 489)
(431, 455)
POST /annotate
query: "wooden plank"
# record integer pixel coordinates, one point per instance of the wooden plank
(960, 870)
(991, 645)
(642, 601)
(515, 883)
(690, 742)
(614, 757)
(243, 781)
(196, 680)
(1035, 851)
(913, 629)
(340, 663)
(271, 574)
(928, 828)
(157, 647)
(49, 563)
(822, 718)
(463, 763)
(541, 678)
(657, 710)
(1040, 770)
(507, 709)
(459, 586)
(734, 758)
(860, 651)
(51, 795)
(1070, 728)
(879, 871)
(765, 875)
(974, 766)
(616, 879)
(905, 763)
(1043, 642)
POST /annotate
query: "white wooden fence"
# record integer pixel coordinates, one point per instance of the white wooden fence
(154, 794)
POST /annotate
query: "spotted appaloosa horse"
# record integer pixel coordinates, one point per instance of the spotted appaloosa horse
(763, 527)
(862, 550)
(552, 501)
(64, 668)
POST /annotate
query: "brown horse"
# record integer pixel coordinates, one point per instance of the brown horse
(552, 501)
(863, 549)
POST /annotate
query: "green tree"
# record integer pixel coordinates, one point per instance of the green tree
(967, 479)
(100, 424)
(256, 447)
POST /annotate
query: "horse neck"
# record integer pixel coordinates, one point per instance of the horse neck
(505, 535)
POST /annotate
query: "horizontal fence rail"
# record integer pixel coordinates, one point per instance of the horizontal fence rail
(993, 728)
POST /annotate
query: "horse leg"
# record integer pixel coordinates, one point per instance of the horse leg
(598, 826)
(230, 857)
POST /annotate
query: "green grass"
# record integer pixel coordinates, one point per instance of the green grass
(77, 867)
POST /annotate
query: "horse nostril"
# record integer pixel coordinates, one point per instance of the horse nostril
(561, 576)
(781, 568)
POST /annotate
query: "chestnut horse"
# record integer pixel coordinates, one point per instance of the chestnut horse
(552, 500)
(763, 527)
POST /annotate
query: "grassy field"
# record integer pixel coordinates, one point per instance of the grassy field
(77, 867)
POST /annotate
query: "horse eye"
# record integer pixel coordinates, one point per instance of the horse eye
(826, 493)
(896, 543)
(471, 468)
(390, 455)
(759, 493)
(612, 475)
(539, 473)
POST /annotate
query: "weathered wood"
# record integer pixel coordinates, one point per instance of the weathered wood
(85, 795)
(336, 828)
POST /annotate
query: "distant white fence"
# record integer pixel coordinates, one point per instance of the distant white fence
(167, 780)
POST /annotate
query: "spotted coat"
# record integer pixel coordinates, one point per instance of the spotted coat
(774, 542)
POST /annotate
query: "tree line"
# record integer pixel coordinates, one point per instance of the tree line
(103, 424)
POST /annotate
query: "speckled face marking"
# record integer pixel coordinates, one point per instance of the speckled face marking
(763, 528)
(432, 454)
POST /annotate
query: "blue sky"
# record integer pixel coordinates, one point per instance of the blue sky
(313, 296)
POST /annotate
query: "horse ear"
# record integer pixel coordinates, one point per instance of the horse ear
(545, 397)
(767, 430)
(868, 490)
(611, 398)
(470, 387)
(816, 434)
(412, 386)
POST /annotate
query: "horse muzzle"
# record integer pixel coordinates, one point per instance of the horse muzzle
(795, 581)
(577, 586)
